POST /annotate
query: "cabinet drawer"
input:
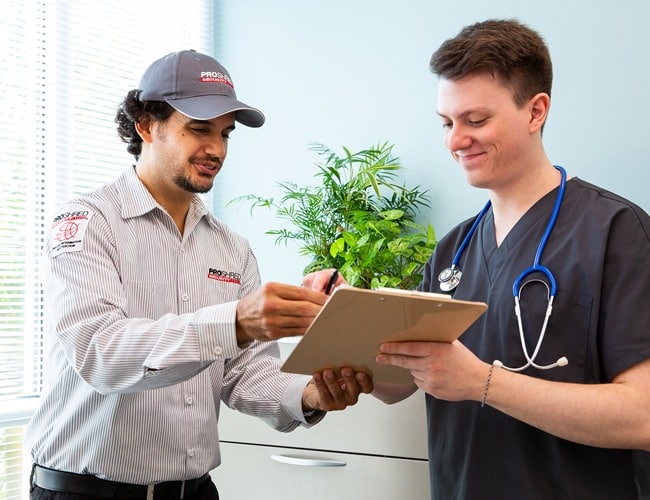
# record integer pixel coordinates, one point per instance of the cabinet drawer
(370, 427)
(250, 472)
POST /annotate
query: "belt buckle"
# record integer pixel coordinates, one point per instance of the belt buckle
(151, 489)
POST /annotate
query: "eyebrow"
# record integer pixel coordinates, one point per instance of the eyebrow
(194, 121)
(465, 113)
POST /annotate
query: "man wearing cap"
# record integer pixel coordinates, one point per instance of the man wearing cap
(156, 313)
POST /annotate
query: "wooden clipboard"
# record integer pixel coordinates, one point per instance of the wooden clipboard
(354, 322)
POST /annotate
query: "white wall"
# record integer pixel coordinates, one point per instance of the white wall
(355, 73)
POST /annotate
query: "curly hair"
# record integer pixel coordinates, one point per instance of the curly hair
(506, 49)
(132, 111)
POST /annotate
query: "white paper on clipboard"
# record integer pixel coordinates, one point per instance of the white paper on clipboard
(354, 322)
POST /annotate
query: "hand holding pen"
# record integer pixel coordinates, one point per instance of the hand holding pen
(331, 282)
(324, 281)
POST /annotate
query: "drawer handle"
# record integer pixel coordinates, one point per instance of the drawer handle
(309, 462)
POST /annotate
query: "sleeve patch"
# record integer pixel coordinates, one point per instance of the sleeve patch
(68, 229)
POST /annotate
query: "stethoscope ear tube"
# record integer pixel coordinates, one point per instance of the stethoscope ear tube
(530, 359)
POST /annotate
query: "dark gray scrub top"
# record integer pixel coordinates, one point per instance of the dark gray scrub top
(599, 253)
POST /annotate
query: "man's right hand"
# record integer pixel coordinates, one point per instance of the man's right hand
(277, 310)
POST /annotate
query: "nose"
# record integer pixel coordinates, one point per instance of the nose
(457, 138)
(217, 145)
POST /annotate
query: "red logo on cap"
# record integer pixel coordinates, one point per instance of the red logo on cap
(215, 77)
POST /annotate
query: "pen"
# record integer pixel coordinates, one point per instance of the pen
(331, 282)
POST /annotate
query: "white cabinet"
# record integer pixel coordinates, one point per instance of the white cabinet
(369, 451)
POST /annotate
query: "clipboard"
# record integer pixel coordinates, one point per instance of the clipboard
(354, 322)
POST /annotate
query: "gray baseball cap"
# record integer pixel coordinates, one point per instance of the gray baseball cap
(197, 86)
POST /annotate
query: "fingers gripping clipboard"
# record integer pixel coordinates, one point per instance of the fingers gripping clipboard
(354, 322)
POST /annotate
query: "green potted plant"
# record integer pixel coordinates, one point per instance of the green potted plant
(357, 219)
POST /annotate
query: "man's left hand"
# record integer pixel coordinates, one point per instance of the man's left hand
(328, 390)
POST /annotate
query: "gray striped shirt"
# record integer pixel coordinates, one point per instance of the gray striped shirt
(140, 341)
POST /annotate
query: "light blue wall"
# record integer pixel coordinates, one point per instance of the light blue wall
(354, 73)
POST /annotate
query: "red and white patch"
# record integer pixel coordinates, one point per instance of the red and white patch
(68, 229)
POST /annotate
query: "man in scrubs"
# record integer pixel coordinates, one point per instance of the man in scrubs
(579, 431)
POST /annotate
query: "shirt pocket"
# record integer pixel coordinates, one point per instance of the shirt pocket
(569, 335)
(150, 299)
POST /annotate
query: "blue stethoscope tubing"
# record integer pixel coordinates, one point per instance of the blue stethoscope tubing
(450, 278)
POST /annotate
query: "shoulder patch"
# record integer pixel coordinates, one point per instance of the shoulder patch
(68, 229)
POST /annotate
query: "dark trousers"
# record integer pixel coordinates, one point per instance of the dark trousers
(206, 491)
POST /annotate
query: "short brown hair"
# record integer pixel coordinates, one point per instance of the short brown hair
(505, 49)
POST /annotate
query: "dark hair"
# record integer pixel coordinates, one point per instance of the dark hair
(132, 111)
(505, 49)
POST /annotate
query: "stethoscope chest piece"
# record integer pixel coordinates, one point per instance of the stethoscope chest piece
(449, 278)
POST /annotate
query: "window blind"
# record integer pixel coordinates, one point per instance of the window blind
(64, 68)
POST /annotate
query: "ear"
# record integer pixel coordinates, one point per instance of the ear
(144, 129)
(538, 107)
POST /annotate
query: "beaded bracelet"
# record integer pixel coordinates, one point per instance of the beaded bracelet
(487, 386)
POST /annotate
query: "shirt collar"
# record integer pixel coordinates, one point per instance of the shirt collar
(136, 200)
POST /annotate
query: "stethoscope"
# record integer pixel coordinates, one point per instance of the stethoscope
(450, 278)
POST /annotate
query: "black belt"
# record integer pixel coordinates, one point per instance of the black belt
(82, 484)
